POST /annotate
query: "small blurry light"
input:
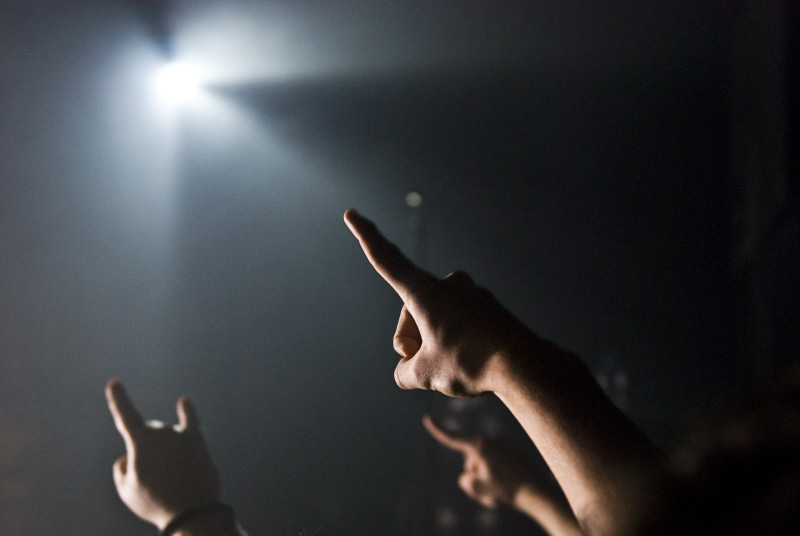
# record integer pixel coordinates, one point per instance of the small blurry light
(446, 519)
(490, 426)
(487, 520)
(414, 199)
(177, 81)
(459, 405)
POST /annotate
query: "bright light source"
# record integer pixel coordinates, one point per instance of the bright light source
(178, 81)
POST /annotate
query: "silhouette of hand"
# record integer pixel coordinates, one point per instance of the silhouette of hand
(494, 472)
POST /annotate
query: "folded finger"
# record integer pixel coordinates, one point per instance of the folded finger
(448, 439)
(187, 416)
(459, 279)
(407, 377)
(407, 338)
(469, 486)
(120, 469)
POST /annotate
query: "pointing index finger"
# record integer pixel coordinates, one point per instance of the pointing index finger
(449, 440)
(385, 257)
(126, 418)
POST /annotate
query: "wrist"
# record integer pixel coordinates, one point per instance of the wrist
(206, 519)
(521, 350)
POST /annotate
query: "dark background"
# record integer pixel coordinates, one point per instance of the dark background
(621, 177)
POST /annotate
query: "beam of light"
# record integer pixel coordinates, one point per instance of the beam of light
(177, 81)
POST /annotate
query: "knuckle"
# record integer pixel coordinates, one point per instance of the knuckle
(398, 345)
(422, 375)
(450, 386)
(424, 380)
(458, 275)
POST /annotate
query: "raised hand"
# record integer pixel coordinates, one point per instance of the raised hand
(457, 339)
(453, 336)
(493, 471)
(166, 469)
(495, 475)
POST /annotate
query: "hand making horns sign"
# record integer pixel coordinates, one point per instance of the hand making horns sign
(166, 470)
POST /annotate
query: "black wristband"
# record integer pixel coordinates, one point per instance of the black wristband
(197, 511)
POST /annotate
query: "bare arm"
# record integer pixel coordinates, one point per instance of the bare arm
(609, 471)
(550, 511)
(454, 337)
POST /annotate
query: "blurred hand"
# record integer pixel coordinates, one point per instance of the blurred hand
(494, 472)
(495, 475)
(452, 335)
(166, 469)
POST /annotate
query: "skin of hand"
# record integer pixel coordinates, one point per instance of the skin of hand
(494, 472)
(495, 475)
(455, 338)
(166, 470)
(451, 334)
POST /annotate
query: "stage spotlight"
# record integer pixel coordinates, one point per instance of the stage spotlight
(178, 81)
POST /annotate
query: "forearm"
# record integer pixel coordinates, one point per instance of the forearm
(548, 508)
(603, 463)
(457, 339)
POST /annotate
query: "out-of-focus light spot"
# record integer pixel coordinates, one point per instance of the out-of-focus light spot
(490, 426)
(178, 81)
(487, 520)
(451, 425)
(458, 405)
(446, 519)
(414, 199)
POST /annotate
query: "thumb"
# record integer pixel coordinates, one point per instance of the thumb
(120, 469)
(450, 440)
(187, 416)
(407, 337)
(407, 377)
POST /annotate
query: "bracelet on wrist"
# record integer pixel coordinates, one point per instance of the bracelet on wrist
(215, 507)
